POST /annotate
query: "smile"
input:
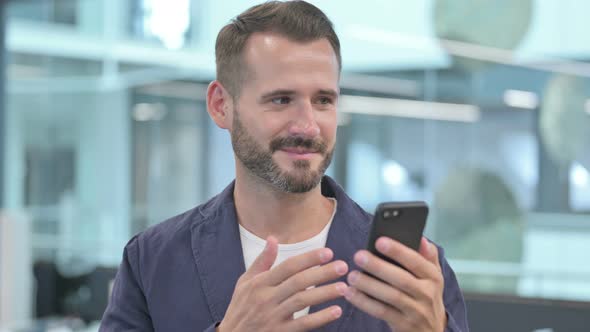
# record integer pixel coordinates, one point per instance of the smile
(299, 153)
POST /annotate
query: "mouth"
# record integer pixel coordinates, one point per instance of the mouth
(299, 153)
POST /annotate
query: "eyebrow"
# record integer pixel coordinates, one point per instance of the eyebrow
(285, 92)
(330, 92)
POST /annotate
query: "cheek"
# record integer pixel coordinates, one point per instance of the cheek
(328, 124)
(267, 128)
(273, 127)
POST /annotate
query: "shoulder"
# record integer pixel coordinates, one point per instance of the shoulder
(175, 232)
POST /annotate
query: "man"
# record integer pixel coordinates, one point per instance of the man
(278, 67)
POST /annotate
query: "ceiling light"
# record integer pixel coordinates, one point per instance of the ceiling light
(521, 99)
(409, 108)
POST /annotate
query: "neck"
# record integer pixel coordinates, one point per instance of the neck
(264, 210)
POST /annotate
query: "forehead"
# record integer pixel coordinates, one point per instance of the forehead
(270, 57)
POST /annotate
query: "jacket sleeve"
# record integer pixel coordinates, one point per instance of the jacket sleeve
(453, 298)
(127, 309)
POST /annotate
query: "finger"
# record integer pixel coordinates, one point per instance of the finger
(310, 297)
(265, 260)
(429, 251)
(389, 273)
(296, 264)
(408, 258)
(314, 320)
(381, 291)
(311, 277)
(371, 306)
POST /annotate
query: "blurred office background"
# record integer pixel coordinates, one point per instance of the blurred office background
(480, 108)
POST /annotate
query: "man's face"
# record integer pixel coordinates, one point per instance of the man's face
(284, 122)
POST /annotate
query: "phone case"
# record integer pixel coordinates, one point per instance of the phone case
(405, 226)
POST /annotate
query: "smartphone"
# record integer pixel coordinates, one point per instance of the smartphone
(401, 221)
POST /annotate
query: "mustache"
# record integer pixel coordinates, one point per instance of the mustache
(315, 145)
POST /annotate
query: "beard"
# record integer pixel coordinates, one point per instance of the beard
(258, 160)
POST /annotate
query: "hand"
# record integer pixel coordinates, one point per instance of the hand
(407, 301)
(265, 299)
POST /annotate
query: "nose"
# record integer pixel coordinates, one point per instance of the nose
(305, 123)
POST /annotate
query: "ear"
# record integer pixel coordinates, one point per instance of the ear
(219, 105)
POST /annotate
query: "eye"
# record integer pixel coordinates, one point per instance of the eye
(325, 100)
(281, 100)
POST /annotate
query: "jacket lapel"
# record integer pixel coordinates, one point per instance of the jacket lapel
(218, 253)
(348, 233)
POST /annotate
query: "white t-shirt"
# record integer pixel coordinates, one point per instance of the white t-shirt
(253, 245)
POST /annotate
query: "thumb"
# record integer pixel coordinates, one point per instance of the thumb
(265, 260)
(429, 251)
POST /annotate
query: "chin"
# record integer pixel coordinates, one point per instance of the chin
(299, 180)
(300, 186)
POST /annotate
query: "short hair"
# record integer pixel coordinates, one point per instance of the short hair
(296, 20)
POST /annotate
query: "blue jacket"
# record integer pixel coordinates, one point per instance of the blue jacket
(180, 275)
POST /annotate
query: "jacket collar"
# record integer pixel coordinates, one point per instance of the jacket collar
(218, 253)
